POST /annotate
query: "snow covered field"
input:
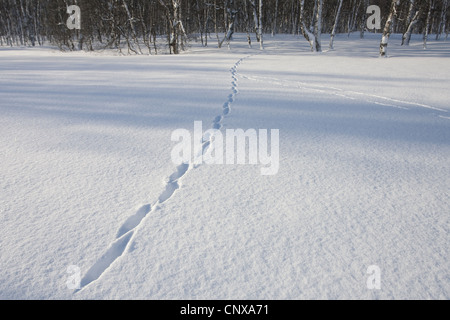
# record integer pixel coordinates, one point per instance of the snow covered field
(87, 180)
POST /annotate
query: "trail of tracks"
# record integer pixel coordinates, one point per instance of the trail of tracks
(130, 227)
(349, 94)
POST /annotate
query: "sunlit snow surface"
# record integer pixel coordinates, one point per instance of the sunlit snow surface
(86, 176)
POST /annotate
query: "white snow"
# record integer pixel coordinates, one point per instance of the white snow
(86, 176)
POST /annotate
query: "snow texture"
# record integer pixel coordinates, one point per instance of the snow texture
(87, 179)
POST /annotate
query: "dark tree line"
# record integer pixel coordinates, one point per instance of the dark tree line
(138, 26)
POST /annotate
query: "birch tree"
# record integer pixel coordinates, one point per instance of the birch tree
(176, 32)
(131, 24)
(427, 24)
(257, 18)
(247, 24)
(318, 26)
(275, 16)
(413, 18)
(336, 21)
(260, 26)
(309, 36)
(231, 20)
(134, 44)
(387, 28)
(364, 19)
(353, 18)
(443, 19)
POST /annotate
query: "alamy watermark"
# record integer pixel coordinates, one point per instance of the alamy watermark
(374, 279)
(74, 21)
(374, 21)
(235, 147)
(73, 281)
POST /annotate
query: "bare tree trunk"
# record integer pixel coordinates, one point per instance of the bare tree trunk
(407, 35)
(364, 19)
(318, 26)
(176, 32)
(410, 22)
(295, 17)
(443, 21)
(255, 19)
(146, 35)
(260, 26)
(353, 17)
(200, 24)
(309, 36)
(216, 30)
(314, 15)
(336, 21)
(174, 35)
(38, 22)
(387, 28)
(247, 24)
(205, 27)
(24, 23)
(274, 22)
(231, 17)
(427, 24)
(155, 47)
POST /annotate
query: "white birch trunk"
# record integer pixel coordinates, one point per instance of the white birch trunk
(231, 17)
(274, 24)
(443, 21)
(255, 19)
(133, 29)
(314, 15)
(336, 21)
(318, 26)
(364, 19)
(260, 26)
(407, 35)
(309, 36)
(427, 25)
(411, 17)
(387, 29)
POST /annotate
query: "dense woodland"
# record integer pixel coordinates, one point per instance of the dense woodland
(153, 26)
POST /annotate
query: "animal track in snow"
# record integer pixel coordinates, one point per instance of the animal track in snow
(349, 94)
(172, 184)
(128, 229)
(133, 221)
(115, 250)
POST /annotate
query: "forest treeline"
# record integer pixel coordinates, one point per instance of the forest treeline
(137, 26)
